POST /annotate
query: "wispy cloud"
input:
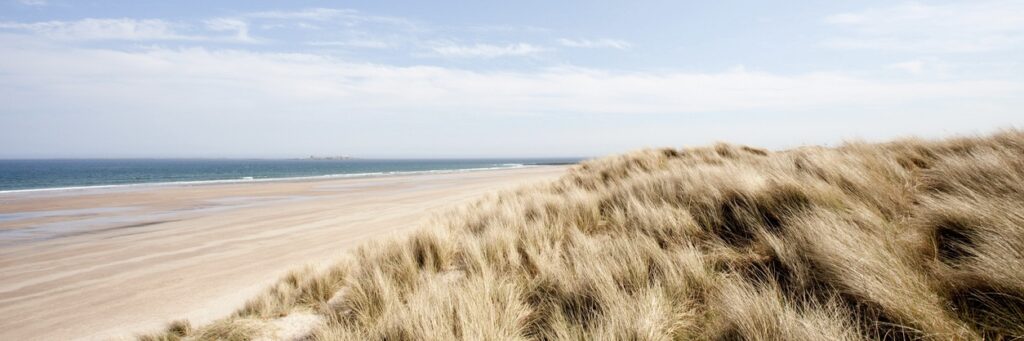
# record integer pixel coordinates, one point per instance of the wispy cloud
(102, 29)
(308, 14)
(239, 27)
(91, 29)
(200, 95)
(357, 43)
(530, 29)
(347, 17)
(911, 66)
(975, 26)
(486, 50)
(341, 27)
(923, 67)
(279, 81)
(33, 2)
(598, 43)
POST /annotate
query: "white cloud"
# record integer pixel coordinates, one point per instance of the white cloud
(912, 66)
(200, 80)
(239, 27)
(486, 50)
(33, 2)
(974, 26)
(530, 29)
(347, 17)
(357, 43)
(132, 30)
(926, 67)
(220, 102)
(599, 43)
(307, 14)
(101, 29)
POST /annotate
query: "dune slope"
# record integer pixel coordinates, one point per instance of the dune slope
(910, 239)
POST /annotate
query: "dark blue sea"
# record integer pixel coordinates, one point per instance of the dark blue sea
(19, 175)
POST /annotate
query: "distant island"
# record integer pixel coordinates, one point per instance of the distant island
(336, 157)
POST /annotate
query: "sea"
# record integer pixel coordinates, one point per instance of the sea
(64, 174)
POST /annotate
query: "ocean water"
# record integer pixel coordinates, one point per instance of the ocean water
(31, 175)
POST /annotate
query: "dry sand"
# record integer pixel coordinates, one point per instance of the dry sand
(110, 263)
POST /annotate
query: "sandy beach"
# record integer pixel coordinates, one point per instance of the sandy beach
(111, 263)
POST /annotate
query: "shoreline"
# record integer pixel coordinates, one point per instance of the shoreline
(199, 252)
(144, 185)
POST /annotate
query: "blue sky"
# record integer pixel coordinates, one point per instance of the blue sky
(473, 79)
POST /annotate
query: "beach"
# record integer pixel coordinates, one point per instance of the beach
(115, 262)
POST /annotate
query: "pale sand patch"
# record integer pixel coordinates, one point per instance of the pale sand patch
(197, 252)
(296, 326)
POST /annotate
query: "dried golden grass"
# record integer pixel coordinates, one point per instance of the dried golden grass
(910, 239)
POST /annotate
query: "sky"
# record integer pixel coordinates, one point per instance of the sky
(413, 79)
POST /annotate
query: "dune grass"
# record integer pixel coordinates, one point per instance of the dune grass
(906, 240)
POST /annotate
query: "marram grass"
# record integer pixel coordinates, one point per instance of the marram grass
(906, 240)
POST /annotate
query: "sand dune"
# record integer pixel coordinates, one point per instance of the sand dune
(111, 263)
(905, 240)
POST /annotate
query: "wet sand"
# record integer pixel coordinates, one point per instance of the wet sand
(111, 263)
